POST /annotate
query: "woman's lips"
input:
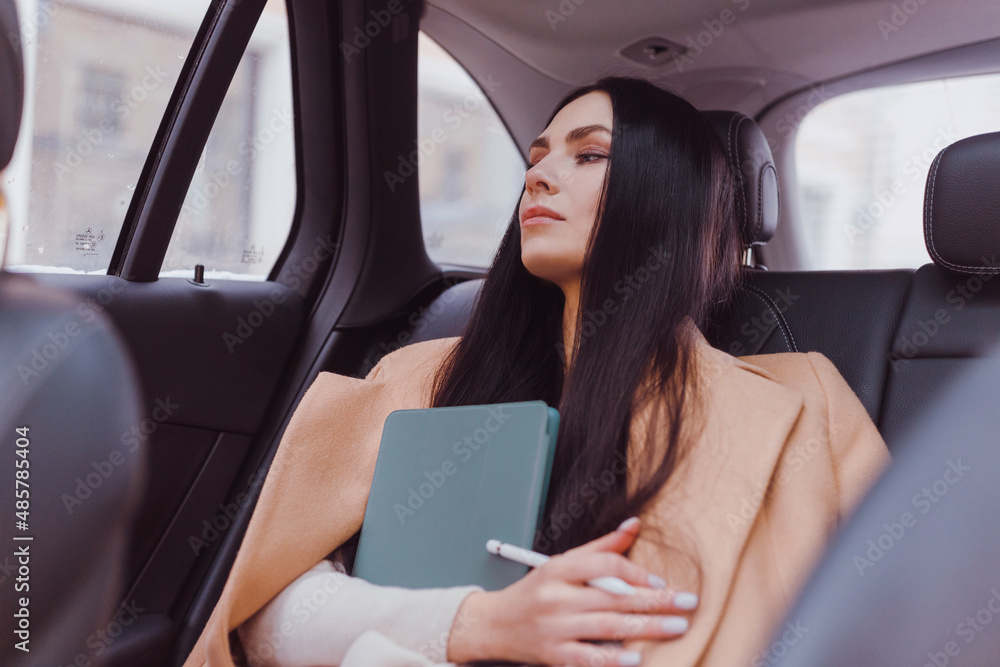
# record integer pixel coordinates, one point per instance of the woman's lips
(539, 219)
(536, 215)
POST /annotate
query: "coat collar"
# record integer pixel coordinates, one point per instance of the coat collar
(713, 355)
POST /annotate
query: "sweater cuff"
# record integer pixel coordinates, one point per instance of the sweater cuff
(441, 615)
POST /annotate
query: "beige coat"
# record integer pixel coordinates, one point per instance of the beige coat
(786, 453)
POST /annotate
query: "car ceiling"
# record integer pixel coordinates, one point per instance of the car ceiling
(768, 50)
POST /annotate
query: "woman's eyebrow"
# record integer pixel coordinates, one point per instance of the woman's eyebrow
(572, 135)
(581, 132)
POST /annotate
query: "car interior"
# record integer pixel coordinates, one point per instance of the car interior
(220, 363)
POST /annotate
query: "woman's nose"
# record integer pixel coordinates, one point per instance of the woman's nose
(541, 178)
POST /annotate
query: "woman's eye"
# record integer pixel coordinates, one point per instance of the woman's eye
(589, 157)
(582, 158)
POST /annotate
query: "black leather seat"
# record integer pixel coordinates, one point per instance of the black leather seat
(952, 315)
(897, 336)
(69, 393)
(849, 316)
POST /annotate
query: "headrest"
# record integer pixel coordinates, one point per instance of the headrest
(11, 80)
(961, 227)
(753, 169)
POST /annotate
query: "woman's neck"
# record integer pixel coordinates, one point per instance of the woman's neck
(571, 292)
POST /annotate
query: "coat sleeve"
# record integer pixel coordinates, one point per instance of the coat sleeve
(859, 454)
(327, 618)
(320, 476)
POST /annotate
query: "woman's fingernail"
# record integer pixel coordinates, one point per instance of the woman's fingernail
(675, 625)
(628, 523)
(658, 582)
(629, 658)
(685, 601)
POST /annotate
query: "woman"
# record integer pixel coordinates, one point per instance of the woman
(623, 239)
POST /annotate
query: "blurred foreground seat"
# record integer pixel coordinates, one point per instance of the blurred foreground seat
(69, 487)
(914, 578)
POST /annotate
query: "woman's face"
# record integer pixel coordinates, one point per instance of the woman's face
(562, 188)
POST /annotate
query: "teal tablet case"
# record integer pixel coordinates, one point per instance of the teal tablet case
(447, 480)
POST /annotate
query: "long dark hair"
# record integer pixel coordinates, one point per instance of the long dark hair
(665, 247)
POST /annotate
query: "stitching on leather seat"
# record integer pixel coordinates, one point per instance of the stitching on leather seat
(786, 331)
(735, 161)
(760, 194)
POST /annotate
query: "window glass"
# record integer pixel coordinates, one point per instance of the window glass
(470, 171)
(239, 207)
(99, 74)
(862, 161)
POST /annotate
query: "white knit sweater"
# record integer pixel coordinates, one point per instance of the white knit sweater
(327, 618)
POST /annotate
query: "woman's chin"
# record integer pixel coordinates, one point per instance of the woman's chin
(557, 278)
(544, 266)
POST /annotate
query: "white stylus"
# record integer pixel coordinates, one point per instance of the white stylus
(534, 559)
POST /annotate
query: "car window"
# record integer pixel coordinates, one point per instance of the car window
(99, 74)
(862, 161)
(240, 204)
(470, 170)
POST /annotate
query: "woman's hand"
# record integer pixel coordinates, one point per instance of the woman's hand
(542, 617)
